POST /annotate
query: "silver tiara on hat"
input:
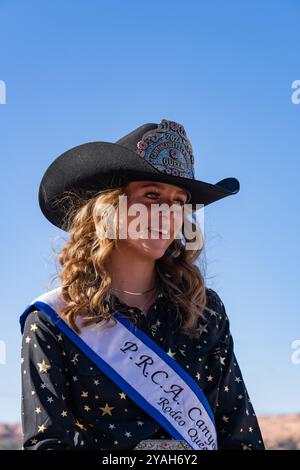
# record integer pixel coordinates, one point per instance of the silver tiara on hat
(168, 149)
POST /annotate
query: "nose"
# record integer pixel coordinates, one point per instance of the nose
(164, 218)
(166, 200)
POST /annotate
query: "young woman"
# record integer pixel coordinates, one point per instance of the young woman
(132, 346)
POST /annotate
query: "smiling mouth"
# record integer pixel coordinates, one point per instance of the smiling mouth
(160, 232)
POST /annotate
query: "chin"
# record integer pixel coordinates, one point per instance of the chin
(149, 250)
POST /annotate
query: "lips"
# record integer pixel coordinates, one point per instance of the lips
(160, 232)
(155, 229)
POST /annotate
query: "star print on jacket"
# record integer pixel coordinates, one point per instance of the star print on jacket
(68, 403)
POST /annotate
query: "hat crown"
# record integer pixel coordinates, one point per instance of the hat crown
(165, 146)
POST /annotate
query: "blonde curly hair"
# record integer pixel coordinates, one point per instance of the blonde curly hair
(86, 283)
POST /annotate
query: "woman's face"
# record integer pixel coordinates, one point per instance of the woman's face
(154, 217)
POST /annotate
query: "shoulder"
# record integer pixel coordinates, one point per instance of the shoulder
(40, 324)
(214, 301)
(215, 312)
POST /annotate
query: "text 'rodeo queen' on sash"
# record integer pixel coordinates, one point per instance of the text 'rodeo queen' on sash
(142, 369)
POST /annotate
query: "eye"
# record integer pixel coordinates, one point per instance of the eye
(180, 201)
(152, 192)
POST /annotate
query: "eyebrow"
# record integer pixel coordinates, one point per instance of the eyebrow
(157, 185)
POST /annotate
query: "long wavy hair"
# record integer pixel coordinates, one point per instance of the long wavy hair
(85, 281)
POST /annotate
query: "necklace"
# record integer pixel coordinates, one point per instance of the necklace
(133, 293)
(143, 307)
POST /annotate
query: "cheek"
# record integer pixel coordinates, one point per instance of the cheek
(134, 224)
(177, 222)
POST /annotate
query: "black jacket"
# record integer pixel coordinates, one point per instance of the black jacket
(68, 403)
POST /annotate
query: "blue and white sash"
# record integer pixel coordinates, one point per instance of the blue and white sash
(149, 376)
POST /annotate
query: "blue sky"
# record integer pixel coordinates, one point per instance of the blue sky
(79, 71)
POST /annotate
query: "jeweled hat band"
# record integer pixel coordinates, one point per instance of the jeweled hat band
(168, 149)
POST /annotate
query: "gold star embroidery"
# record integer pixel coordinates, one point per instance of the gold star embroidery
(202, 329)
(122, 396)
(225, 418)
(210, 378)
(64, 413)
(222, 360)
(84, 394)
(75, 359)
(106, 410)
(33, 327)
(87, 408)
(226, 389)
(171, 354)
(246, 447)
(97, 397)
(198, 376)
(43, 366)
(33, 441)
(41, 428)
(81, 426)
(38, 410)
(27, 339)
(250, 429)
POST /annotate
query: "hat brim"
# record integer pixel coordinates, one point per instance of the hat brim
(95, 166)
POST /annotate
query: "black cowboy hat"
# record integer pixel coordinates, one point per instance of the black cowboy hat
(156, 152)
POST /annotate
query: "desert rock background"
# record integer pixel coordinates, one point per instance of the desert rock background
(281, 432)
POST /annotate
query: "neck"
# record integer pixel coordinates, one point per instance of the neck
(133, 274)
